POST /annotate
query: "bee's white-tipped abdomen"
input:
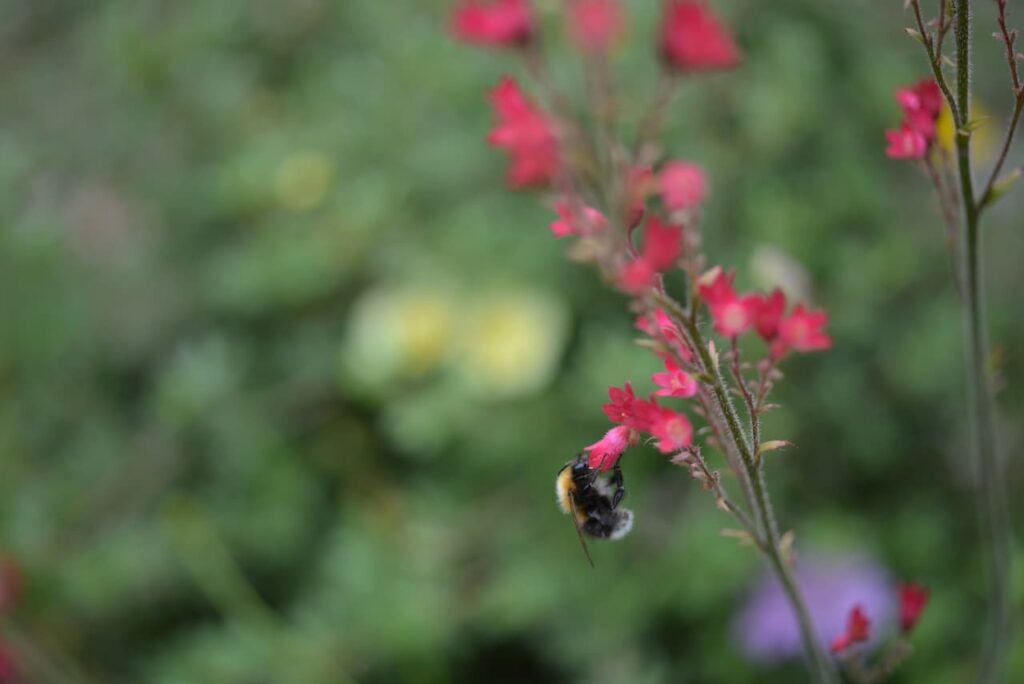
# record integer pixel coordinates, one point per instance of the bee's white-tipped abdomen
(623, 525)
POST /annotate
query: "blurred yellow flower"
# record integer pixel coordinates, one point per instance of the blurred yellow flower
(303, 180)
(392, 334)
(513, 343)
(983, 138)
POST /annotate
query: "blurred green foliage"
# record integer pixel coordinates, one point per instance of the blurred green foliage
(286, 372)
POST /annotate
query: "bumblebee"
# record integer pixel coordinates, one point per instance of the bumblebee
(593, 501)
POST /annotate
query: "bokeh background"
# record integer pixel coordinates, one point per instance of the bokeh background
(286, 372)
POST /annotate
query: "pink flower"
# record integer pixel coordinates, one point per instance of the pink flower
(570, 223)
(682, 185)
(767, 311)
(605, 453)
(663, 243)
(526, 133)
(499, 23)
(627, 409)
(693, 39)
(803, 331)
(594, 24)
(733, 314)
(672, 430)
(906, 143)
(913, 599)
(663, 329)
(675, 382)
(858, 630)
(921, 104)
(636, 276)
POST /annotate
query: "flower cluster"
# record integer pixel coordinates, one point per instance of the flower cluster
(921, 104)
(634, 214)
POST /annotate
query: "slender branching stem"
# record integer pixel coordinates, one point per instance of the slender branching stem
(987, 193)
(991, 496)
(821, 667)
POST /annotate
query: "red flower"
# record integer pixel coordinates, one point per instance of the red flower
(594, 24)
(663, 329)
(672, 430)
(526, 133)
(675, 382)
(682, 185)
(921, 104)
(636, 276)
(501, 23)
(858, 630)
(627, 409)
(913, 599)
(803, 331)
(663, 243)
(906, 143)
(767, 311)
(733, 314)
(693, 39)
(605, 453)
(572, 223)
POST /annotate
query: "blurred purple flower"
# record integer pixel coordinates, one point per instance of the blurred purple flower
(767, 628)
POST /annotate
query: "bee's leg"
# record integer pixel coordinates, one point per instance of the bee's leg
(620, 488)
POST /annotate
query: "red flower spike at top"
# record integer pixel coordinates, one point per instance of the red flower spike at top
(605, 453)
(913, 599)
(858, 630)
(594, 24)
(571, 223)
(673, 430)
(674, 382)
(682, 185)
(733, 314)
(803, 331)
(767, 311)
(693, 39)
(500, 23)
(526, 133)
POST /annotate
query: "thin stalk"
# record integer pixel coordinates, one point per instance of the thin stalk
(991, 496)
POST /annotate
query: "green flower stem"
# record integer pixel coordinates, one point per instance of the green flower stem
(991, 497)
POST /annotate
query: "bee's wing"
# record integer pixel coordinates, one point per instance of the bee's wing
(579, 531)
